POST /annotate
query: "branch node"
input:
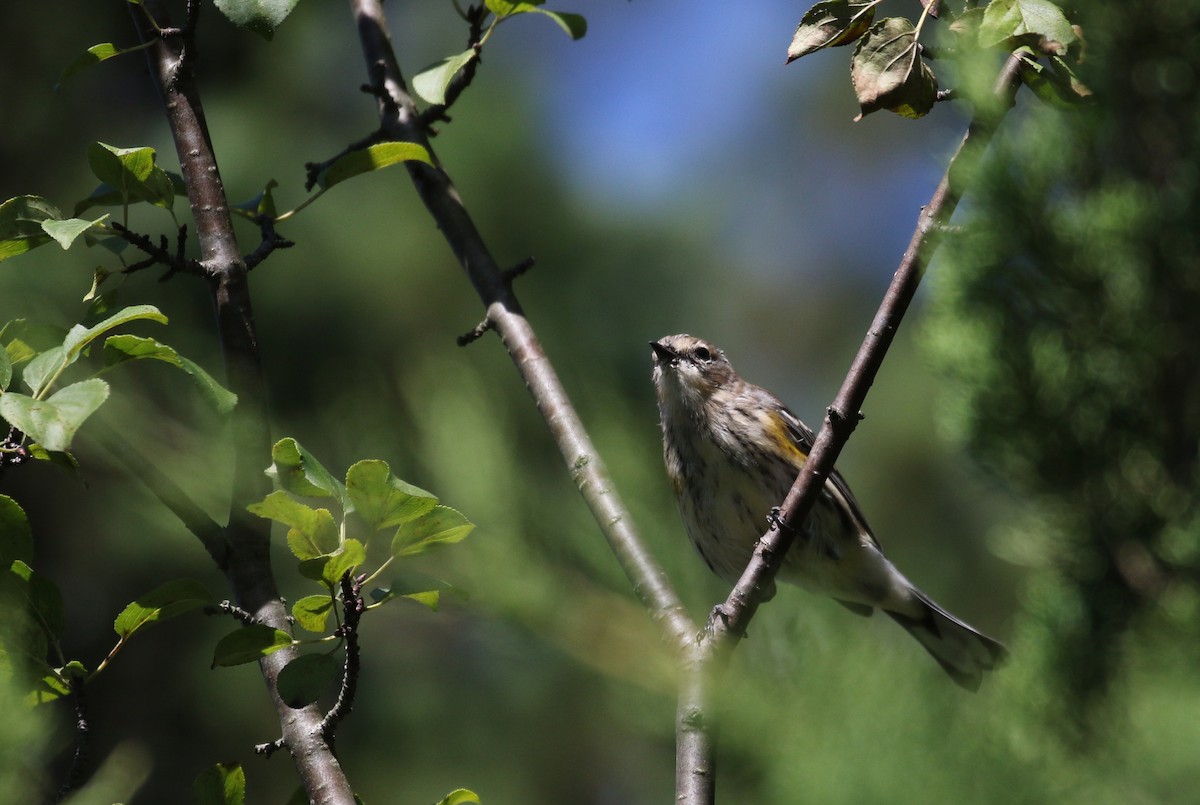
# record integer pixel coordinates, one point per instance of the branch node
(946, 95)
(468, 338)
(510, 274)
(268, 749)
(353, 607)
(234, 611)
(271, 240)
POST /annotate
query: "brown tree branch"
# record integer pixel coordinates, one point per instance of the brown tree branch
(248, 566)
(730, 620)
(399, 120)
(694, 780)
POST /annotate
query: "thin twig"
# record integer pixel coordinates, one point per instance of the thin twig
(234, 611)
(159, 255)
(353, 607)
(74, 775)
(438, 112)
(271, 240)
(399, 120)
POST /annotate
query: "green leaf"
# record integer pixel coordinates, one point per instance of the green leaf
(329, 568)
(261, 206)
(1055, 83)
(382, 499)
(23, 340)
(77, 340)
(260, 16)
(312, 612)
(16, 537)
(21, 224)
(831, 23)
(222, 784)
(67, 230)
(120, 349)
(574, 25)
(163, 602)
(295, 469)
(6, 369)
(23, 639)
(440, 526)
(1008, 19)
(888, 72)
(306, 678)
(248, 644)
(432, 82)
(93, 55)
(42, 600)
(373, 158)
(424, 590)
(31, 617)
(312, 533)
(460, 796)
(52, 423)
(55, 684)
(124, 169)
(158, 193)
(42, 369)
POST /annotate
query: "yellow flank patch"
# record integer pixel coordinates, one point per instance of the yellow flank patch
(777, 430)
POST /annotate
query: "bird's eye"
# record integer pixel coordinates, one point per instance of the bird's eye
(703, 354)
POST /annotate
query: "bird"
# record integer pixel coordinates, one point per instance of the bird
(732, 451)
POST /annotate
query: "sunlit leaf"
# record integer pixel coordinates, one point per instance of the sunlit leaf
(382, 499)
(248, 644)
(460, 796)
(21, 224)
(93, 55)
(163, 602)
(67, 230)
(312, 612)
(120, 349)
(347, 557)
(831, 23)
(574, 25)
(261, 206)
(419, 588)
(312, 534)
(222, 784)
(432, 82)
(1007, 19)
(260, 16)
(53, 422)
(372, 158)
(297, 471)
(440, 526)
(888, 72)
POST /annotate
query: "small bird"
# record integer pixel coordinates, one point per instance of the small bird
(733, 450)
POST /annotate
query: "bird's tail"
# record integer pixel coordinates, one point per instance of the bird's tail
(964, 652)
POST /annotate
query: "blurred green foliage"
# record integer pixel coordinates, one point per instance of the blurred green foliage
(1065, 323)
(548, 684)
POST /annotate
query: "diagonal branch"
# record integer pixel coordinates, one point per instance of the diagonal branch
(248, 566)
(843, 414)
(694, 772)
(399, 120)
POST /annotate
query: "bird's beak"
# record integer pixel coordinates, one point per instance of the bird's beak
(663, 353)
